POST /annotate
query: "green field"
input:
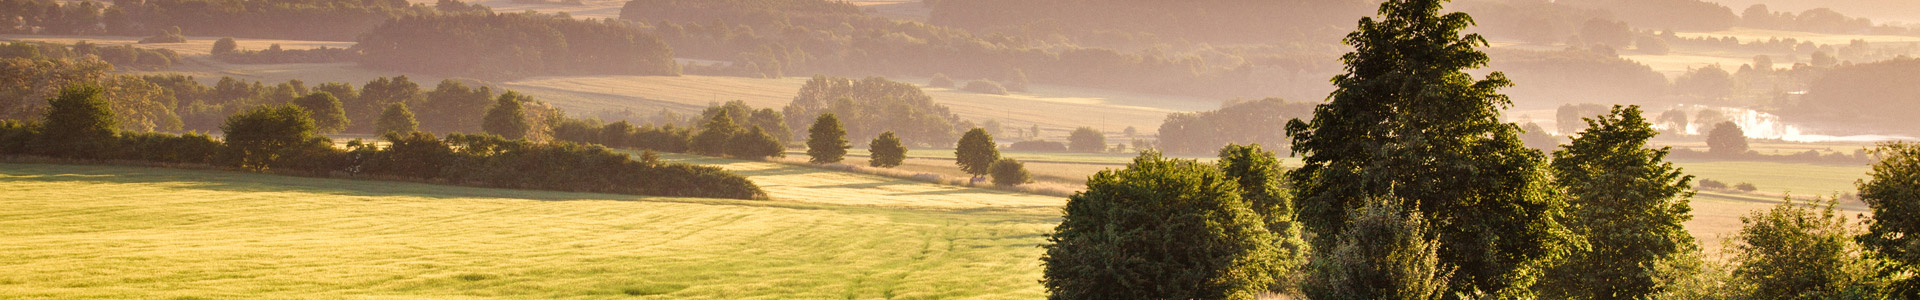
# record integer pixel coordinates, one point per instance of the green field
(108, 232)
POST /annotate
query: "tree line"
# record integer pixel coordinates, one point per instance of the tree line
(514, 45)
(78, 125)
(1412, 188)
(330, 20)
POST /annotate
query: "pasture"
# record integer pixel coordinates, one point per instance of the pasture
(108, 232)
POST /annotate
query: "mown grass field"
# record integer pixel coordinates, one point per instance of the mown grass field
(107, 232)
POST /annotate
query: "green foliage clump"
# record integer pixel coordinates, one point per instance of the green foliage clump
(872, 105)
(79, 123)
(1017, 81)
(1892, 191)
(329, 116)
(1009, 172)
(766, 118)
(1086, 140)
(1159, 229)
(513, 45)
(885, 151)
(1384, 254)
(1745, 187)
(984, 86)
(1250, 122)
(224, 46)
(411, 154)
(507, 118)
(1796, 251)
(1726, 139)
(396, 119)
(754, 144)
(1260, 176)
(1407, 120)
(1629, 204)
(714, 136)
(976, 152)
(452, 106)
(169, 35)
(826, 141)
(260, 136)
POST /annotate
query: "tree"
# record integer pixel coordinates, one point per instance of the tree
(754, 144)
(1017, 81)
(1892, 191)
(1794, 251)
(1159, 229)
(328, 115)
(1629, 204)
(1086, 140)
(507, 118)
(1727, 139)
(1384, 254)
(1009, 172)
(1407, 120)
(940, 80)
(1259, 176)
(984, 86)
(225, 46)
(885, 151)
(714, 135)
(396, 119)
(827, 141)
(259, 136)
(976, 152)
(454, 107)
(79, 123)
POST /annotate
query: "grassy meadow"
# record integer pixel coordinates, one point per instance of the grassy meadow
(108, 232)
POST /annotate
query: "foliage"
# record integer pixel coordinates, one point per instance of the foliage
(1384, 254)
(1794, 251)
(1016, 81)
(1249, 122)
(1259, 176)
(1572, 118)
(78, 124)
(886, 151)
(507, 118)
(283, 19)
(826, 141)
(714, 136)
(225, 46)
(872, 105)
(1627, 201)
(396, 119)
(976, 152)
(1009, 172)
(411, 154)
(514, 46)
(1727, 140)
(328, 114)
(940, 81)
(1407, 120)
(1712, 184)
(984, 86)
(275, 55)
(1087, 140)
(766, 118)
(1159, 229)
(260, 136)
(754, 144)
(452, 106)
(170, 35)
(1892, 191)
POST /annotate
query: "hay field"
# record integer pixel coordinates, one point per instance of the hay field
(107, 232)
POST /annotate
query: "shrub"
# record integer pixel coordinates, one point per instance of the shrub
(1384, 254)
(259, 136)
(984, 86)
(940, 81)
(1037, 146)
(754, 144)
(1159, 229)
(1745, 187)
(1010, 172)
(16, 136)
(1087, 140)
(886, 151)
(224, 46)
(1794, 251)
(411, 154)
(1712, 184)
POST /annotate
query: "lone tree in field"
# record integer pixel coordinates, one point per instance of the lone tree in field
(396, 119)
(225, 46)
(79, 124)
(886, 151)
(826, 140)
(1010, 172)
(1407, 120)
(1159, 229)
(1259, 176)
(976, 152)
(329, 116)
(1628, 202)
(714, 135)
(1727, 139)
(507, 118)
(1086, 140)
(1893, 230)
(1384, 254)
(258, 136)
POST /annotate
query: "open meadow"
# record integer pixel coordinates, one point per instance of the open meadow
(108, 232)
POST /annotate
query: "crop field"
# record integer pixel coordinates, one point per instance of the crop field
(106, 232)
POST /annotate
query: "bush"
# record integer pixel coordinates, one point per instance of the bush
(224, 46)
(940, 81)
(984, 86)
(1745, 187)
(1712, 184)
(190, 148)
(1037, 146)
(411, 154)
(1384, 254)
(1087, 140)
(259, 136)
(886, 151)
(1010, 172)
(754, 144)
(1794, 251)
(1159, 229)
(15, 136)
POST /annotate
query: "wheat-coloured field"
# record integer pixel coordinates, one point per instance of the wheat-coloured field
(108, 232)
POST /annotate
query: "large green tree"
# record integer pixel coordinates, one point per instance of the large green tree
(1159, 229)
(328, 115)
(976, 152)
(79, 123)
(397, 118)
(1384, 254)
(1087, 140)
(714, 135)
(1259, 176)
(507, 118)
(886, 151)
(1407, 120)
(1892, 190)
(454, 107)
(1629, 204)
(258, 137)
(826, 141)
